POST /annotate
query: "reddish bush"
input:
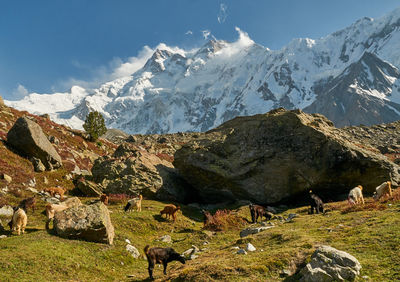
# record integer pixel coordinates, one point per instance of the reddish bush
(223, 220)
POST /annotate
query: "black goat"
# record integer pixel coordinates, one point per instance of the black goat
(316, 203)
(161, 256)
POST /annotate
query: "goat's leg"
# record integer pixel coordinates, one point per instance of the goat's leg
(165, 267)
(19, 229)
(362, 200)
(150, 268)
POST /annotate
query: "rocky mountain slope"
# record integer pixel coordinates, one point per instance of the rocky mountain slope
(350, 76)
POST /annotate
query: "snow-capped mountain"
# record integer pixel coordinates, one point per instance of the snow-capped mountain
(351, 76)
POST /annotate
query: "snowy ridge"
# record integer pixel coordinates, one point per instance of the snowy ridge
(196, 90)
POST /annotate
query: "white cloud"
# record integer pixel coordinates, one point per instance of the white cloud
(243, 41)
(206, 33)
(20, 91)
(222, 15)
(189, 32)
(116, 68)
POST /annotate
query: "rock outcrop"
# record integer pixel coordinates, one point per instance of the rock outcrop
(133, 170)
(330, 264)
(27, 137)
(86, 222)
(278, 155)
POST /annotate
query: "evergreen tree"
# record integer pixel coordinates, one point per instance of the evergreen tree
(94, 125)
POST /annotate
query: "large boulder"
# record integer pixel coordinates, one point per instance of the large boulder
(330, 264)
(133, 170)
(269, 157)
(86, 222)
(28, 138)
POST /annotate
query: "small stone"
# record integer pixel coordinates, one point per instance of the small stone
(250, 247)
(33, 190)
(45, 180)
(132, 250)
(127, 241)
(241, 252)
(6, 177)
(3, 236)
(165, 238)
(235, 248)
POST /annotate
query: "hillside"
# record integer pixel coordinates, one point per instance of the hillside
(370, 233)
(350, 76)
(372, 236)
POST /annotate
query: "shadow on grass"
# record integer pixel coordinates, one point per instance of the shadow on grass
(159, 218)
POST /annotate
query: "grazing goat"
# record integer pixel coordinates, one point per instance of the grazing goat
(384, 189)
(104, 199)
(161, 256)
(170, 210)
(316, 203)
(356, 196)
(258, 211)
(19, 220)
(51, 209)
(55, 190)
(28, 203)
(135, 202)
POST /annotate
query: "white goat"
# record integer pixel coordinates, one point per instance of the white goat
(384, 189)
(19, 221)
(356, 196)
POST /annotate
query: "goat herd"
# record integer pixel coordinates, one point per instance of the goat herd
(165, 255)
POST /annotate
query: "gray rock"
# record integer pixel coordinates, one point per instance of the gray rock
(328, 264)
(33, 190)
(52, 200)
(253, 230)
(247, 158)
(291, 216)
(28, 138)
(6, 211)
(133, 251)
(165, 238)
(250, 247)
(241, 252)
(38, 166)
(87, 222)
(3, 236)
(89, 188)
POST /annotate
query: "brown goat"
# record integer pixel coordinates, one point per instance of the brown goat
(170, 210)
(28, 203)
(55, 190)
(258, 211)
(161, 256)
(104, 199)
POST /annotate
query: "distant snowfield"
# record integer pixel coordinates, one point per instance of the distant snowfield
(196, 90)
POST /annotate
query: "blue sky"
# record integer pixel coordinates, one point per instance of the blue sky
(49, 45)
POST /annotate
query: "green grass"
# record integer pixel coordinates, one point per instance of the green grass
(372, 236)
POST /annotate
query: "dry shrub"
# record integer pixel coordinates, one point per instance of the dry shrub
(115, 199)
(223, 220)
(369, 205)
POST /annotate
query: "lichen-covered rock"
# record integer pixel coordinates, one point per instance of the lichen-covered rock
(330, 264)
(88, 188)
(86, 222)
(28, 138)
(133, 170)
(269, 157)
